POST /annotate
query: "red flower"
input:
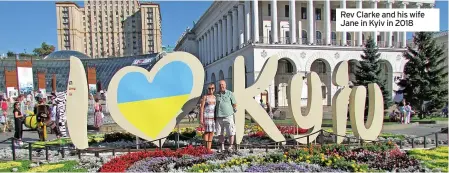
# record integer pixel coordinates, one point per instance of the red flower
(121, 163)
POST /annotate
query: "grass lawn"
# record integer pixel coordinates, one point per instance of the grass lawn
(433, 159)
(430, 119)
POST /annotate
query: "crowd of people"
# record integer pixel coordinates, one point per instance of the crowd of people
(217, 115)
(24, 106)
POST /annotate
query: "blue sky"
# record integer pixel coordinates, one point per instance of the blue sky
(35, 22)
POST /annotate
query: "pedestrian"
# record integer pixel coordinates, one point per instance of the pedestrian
(402, 111)
(207, 115)
(224, 111)
(445, 111)
(4, 116)
(409, 111)
(18, 121)
(269, 110)
(22, 103)
(98, 117)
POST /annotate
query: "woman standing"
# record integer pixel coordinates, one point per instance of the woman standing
(4, 116)
(98, 119)
(18, 121)
(207, 115)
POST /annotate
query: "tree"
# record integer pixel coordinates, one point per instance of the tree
(425, 73)
(44, 50)
(369, 71)
(10, 54)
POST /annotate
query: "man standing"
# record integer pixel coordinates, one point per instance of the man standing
(22, 103)
(224, 112)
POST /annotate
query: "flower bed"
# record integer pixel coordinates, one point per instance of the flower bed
(27, 166)
(121, 163)
(435, 159)
(327, 158)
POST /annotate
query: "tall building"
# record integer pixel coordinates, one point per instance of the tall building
(109, 28)
(301, 33)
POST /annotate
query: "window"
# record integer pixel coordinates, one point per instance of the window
(303, 13)
(287, 11)
(318, 13)
(318, 35)
(269, 9)
(333, 15)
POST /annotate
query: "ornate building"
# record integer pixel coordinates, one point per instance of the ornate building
(302, 33)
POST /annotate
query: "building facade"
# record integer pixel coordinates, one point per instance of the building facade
(109, 28)
(55, 69)
(301, 33)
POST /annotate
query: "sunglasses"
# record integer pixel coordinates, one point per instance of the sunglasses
(211, 88)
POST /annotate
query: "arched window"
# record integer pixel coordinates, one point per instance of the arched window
(348, 36)
(334, 38)
(230, 77)
(318, 37)
(304, 36)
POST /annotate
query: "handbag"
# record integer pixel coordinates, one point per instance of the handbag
(2, 119)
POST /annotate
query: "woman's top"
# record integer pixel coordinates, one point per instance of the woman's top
(209, 107)
(97, 107)
(4, 105)
(18, 113)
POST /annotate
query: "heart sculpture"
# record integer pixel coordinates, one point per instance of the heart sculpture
(147, 104)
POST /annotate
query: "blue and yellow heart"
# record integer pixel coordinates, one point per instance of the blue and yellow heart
(151, 106)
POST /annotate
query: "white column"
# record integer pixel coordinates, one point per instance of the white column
(374, 34)
(241, 25)
(203, 52)
(216, 41)
(310, 16)
(344, 42)
(210, 45)
(389, 33)
(359, 34)
(200, 49)
(274, 21)
(327, 21)
(220, 48)
(229, 32)
(235, 30)
(256, 21)
(404, 34)
(247, 21)
(223, 36)
(292, 22)
(206, 48)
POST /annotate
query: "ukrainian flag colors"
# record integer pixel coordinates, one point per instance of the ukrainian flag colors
(150, 106)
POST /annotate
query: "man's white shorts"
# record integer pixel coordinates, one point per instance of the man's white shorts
(225, 124)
